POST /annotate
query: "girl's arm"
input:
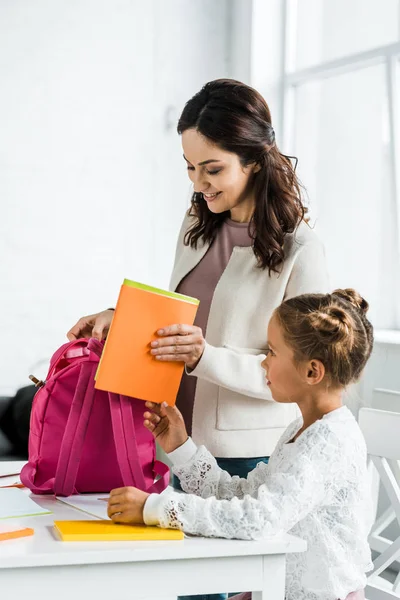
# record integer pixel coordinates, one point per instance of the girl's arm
(266, 503)
(199, 474)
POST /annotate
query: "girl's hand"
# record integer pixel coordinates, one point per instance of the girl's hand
(95, 326)
(125, 505)
(183, 343)
(166, 424)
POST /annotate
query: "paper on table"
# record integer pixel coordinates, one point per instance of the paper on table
(15, 503)
(93, 504)
(8, 468)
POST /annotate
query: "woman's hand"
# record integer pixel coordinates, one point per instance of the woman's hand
(125, 505)
(166, 424)
(95, 326)
(183, 343)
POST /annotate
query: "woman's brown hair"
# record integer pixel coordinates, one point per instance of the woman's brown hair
(236, 118)
(332, 328)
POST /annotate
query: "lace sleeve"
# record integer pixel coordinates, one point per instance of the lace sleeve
(203, 477)
(266, 503)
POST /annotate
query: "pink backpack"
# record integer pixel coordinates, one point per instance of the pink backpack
(85, 440)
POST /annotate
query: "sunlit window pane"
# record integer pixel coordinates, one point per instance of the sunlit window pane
(329, 29)
(342, 139)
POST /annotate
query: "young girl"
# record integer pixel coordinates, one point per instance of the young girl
(315, 485)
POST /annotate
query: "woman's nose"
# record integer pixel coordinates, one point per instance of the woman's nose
(199, 184)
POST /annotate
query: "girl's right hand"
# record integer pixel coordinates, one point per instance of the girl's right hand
(166, 424)
(95, 326)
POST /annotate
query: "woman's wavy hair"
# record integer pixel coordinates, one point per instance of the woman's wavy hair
(236, 117)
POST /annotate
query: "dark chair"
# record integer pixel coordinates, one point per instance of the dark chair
(14, 423)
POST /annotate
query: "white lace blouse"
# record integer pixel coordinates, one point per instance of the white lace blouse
(315, 488)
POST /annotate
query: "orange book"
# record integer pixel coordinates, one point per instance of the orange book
(126, 366)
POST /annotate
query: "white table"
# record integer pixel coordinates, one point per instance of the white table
(43, 568)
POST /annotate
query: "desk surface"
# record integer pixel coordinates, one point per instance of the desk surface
(45, 549)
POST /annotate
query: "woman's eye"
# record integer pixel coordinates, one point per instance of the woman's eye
(190, 168)
(213, 172)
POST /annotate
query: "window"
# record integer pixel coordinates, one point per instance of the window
(331, 29)
(341, 99)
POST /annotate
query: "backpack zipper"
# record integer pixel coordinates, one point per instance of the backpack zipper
(38, 382)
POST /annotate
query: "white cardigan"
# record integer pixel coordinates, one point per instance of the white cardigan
(234, 414)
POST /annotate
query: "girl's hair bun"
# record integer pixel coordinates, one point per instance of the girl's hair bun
(331, 324)
(353, 297)
(332, 328)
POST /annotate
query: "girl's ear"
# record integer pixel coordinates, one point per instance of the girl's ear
(315, 372)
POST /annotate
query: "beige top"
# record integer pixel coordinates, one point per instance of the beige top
(201, 283)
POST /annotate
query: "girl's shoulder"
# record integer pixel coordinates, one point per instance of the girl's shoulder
(290, 431)
(337, 431)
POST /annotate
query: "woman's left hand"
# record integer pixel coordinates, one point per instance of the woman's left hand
(125, 505)
(182, 343)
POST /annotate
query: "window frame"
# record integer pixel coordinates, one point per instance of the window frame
(292, 78)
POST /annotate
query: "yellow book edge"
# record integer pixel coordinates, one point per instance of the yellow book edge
(103, 530)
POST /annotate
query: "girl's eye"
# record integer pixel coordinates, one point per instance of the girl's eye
(270, 352)
(213, 172)
(190, 168)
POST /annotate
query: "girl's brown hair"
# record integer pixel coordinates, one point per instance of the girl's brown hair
(236, 118)
(332, 328)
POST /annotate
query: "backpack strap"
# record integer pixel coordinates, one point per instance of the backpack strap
(75, 431)
(127, 450)
(125, 441)
(124, 431)
(162, 470)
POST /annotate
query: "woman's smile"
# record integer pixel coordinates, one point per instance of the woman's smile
(211, 197)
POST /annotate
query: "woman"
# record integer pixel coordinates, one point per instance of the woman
(244, 247)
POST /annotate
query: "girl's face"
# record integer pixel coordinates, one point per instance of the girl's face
(219, 176)
(285, 378)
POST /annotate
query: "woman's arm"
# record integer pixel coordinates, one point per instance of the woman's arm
(233, 370)
(240, 371)
(309, 274)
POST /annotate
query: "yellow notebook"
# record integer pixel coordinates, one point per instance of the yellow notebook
(94, 531)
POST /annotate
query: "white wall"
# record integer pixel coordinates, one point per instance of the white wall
(92, 182)
(267, 56)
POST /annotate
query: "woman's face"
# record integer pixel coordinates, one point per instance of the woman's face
(219, 176)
